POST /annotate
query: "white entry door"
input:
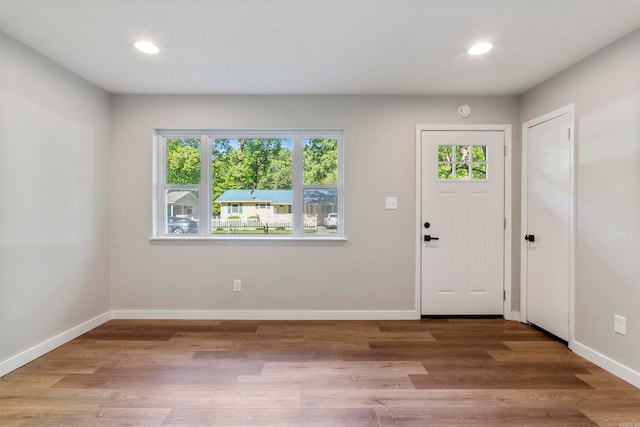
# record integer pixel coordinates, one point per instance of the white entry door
(462, 211)
(546, 221)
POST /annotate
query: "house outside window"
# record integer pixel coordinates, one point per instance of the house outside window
(182, 204)
(251, 183)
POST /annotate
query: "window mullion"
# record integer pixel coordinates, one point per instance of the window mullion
(162, 186)
(204, 201)
(296, 180)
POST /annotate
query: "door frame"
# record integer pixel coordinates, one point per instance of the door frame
(567, 109)
(507, 237)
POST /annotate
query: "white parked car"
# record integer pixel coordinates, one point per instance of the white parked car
(331, 221)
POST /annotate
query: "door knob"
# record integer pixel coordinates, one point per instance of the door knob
(428, 238)
(530, 238)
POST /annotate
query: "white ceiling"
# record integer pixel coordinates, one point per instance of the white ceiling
(318, 46)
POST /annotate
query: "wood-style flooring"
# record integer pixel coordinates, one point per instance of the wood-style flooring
(430, 372)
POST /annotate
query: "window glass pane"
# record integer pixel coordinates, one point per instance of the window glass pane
(182, 211)
(463, 153)
(479, 171)
(445, 171)
(462, 171)
(183, 161)
(320, 211)
(479, 153)
(444, 153)
(320, 159)
(251, 186)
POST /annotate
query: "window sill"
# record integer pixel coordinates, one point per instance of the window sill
(247, 238)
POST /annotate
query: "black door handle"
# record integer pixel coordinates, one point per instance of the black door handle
(530, 238)
(428, 238)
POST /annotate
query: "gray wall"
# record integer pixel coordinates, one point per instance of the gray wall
(54, 242)
(372, 271)
(606, 90)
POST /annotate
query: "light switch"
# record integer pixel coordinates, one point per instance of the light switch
(391, 203)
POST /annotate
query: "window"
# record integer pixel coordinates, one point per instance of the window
(250, 183)
(462, 162)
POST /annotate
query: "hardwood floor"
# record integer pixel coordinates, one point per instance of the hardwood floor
(433, 372)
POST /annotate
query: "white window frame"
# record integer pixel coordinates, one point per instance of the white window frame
(297, 136)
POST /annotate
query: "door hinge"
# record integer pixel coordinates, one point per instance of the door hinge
(504, 295)
(505, 151)
(505, 223)
(569, 133)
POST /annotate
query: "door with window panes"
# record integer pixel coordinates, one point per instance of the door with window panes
(462, 211)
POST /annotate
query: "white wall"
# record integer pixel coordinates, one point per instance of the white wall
(54, 242)
(372, 271)
(606, 90)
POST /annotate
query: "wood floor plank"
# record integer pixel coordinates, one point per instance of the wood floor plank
(483, 417)
(313, 370)
(329, 331)
(272, 355)
(209, 399)
(534, 357)
(402, 337)
(470, 398)
(538, 346)
(145, 380)
(276, 384)
(497, 379)
(316, 373)
(603, 380)
(431, 348)
(342, 417)
(622, 417)
(331, 375)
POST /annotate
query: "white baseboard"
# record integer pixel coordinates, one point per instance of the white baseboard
(52, 343)
(514, 315)
(267, 314)
(629, 375)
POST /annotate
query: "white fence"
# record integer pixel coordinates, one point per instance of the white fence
(217, 224)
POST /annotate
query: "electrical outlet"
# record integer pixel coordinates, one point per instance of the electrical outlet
(237, 285)
(619, 324)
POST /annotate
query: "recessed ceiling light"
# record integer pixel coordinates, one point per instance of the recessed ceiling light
(146, 47)
(480, 48)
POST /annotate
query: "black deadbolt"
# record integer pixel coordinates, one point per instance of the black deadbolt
(427, 225)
